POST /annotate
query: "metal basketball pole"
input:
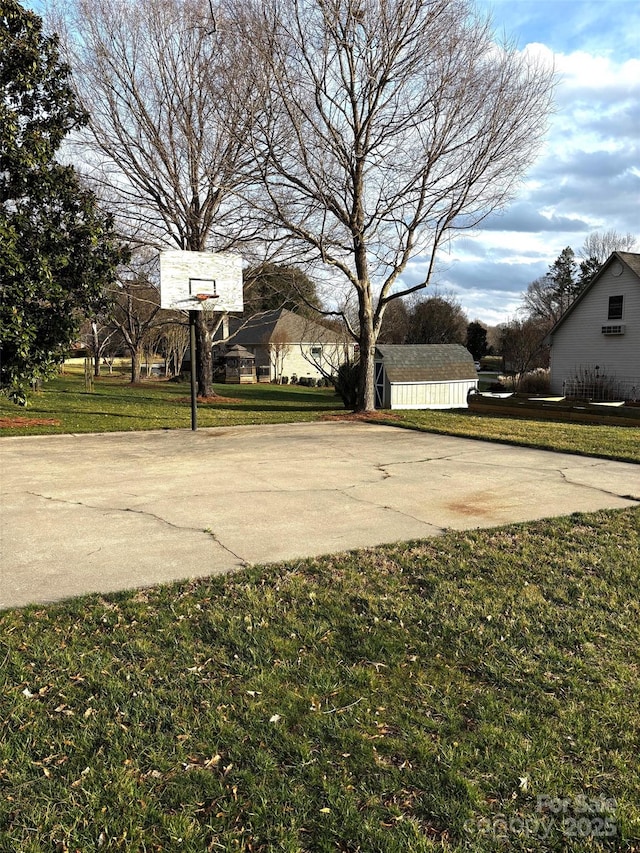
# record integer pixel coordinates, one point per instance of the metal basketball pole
(194, 395)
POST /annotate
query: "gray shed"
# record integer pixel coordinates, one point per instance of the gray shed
(424, 376)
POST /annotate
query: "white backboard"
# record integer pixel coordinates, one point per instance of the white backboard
(184, 275)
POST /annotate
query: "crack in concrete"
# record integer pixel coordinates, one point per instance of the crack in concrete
(599, 489)
(384, 466)
(145, 514)
(395, 510)
(382, 469)
(226, 548)
(446, 458)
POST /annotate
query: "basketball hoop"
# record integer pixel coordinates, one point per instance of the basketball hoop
(197, 281)
(202, 283)
(203, 297)
(206, 303)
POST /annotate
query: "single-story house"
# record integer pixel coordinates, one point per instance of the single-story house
(286, 344)
(595, 345)
(424, 376)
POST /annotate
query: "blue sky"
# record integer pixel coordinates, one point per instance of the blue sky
(587, 177)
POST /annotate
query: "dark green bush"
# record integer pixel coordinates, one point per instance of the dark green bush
(346, 383)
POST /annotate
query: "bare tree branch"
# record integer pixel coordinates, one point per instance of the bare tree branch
(386, 126)
(169, 118)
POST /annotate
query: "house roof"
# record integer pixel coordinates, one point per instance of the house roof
(426, 362)
(632, 260)
(629, 259)
(238, 351)
(282, 325)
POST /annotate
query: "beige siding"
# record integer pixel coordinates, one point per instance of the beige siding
(296, 358)
(579, 344)
(430, 395)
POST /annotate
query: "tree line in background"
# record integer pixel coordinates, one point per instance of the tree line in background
(334, 137)
(132, 323)
(437, 319)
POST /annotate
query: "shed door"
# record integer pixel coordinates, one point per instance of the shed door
(379, 385)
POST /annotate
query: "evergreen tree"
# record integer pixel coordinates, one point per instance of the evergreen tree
(57, 250)
(271, 286)
(547, 298)
(437, 320)
(477, 340)
(588, 268)
(563, 273)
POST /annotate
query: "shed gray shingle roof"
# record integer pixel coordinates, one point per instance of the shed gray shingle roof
(426, 362)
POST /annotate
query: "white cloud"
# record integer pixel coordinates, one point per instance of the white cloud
(583, 71)
(587, 179)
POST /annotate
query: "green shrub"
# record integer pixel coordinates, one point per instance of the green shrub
(346, 383)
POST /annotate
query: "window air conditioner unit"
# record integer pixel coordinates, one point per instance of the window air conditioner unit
(613, 330)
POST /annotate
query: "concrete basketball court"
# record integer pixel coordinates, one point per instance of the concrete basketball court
(98, 513)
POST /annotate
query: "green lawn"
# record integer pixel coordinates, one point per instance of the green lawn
(475, 692)
(609, 442)
(116, 405)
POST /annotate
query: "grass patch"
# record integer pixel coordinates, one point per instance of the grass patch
(609, 442)
(415, 697)
(115, 405)
(63, 406)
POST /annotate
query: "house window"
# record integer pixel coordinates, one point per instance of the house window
(316, 351)
(615, 308)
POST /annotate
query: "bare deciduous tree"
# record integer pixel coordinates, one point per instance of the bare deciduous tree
(524, 346)
(599, 245)
(167, 123)
(332, 354)
(134, 314)
(172, 339)
(544, 302)
(279, 345)
(388, 126)
(99, 336)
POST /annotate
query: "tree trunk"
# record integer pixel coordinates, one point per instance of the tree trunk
(96, 348)
(367, 395)
(366, 385)
(203, 357)
(136, 364)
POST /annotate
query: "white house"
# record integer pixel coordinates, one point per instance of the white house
(424, 376)
(286, 344)
(595, 346)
